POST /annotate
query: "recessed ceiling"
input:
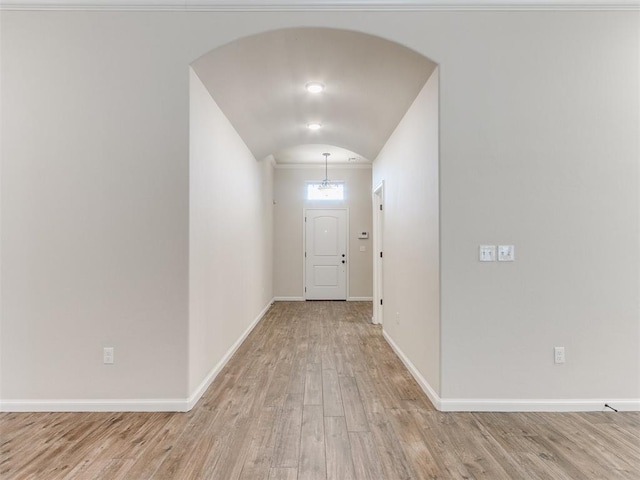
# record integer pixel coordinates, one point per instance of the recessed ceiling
(310, 154)
(259, 83)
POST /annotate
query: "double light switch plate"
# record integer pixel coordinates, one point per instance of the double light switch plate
(487, 253)
(505, 253)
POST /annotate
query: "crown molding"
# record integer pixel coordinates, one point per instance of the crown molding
(318, 5)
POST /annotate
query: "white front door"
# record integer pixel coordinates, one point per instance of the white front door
(326, 254)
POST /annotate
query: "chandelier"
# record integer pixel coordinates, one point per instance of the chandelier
(326, 184)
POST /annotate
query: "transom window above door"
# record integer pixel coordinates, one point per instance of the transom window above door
(316, 192)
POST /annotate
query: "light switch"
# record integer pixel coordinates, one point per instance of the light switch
(506, 253)
(487, 253)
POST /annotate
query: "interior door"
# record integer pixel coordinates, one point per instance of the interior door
(326, 254)
(378, 260)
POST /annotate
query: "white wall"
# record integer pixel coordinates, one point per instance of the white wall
(538, 148)
(94, 212)
(290, 184)
(408, 165)
(230, 236)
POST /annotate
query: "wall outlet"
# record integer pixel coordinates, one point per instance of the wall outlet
(558, 354)
(107, 355)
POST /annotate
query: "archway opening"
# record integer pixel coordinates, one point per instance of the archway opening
(252, 152)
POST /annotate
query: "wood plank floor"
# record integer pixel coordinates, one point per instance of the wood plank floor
(316, 393)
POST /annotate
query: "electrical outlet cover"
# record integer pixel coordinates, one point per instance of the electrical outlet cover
(107, 355)
(558, 355)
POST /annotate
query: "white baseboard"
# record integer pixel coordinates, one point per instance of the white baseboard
(426, 388)
(537, 405)
(511, 405)
(302, 299)
(132, 405)
(208, 380)
(87, 405)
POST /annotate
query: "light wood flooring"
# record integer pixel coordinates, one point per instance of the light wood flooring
(316, 393)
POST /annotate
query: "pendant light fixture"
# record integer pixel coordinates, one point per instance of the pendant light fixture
(326, 184)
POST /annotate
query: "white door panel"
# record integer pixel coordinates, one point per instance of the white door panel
(325, 236)
(325, 275)
(326, 254)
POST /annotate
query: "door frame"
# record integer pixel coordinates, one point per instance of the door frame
(378, 262)
(304, 249)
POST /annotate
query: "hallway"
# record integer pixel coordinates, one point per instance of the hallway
(315, 392)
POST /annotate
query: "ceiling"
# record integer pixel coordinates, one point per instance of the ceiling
(310, 154)
(259, 83)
